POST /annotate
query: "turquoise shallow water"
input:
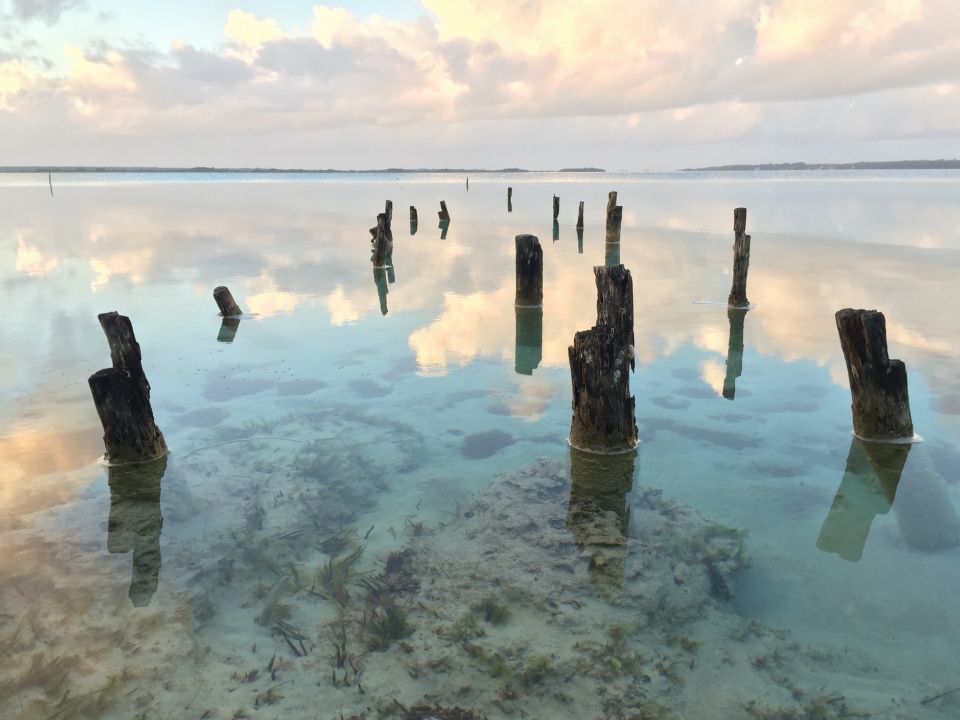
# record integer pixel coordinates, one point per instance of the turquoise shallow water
(353, 495)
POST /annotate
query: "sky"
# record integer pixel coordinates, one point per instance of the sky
(540, 84)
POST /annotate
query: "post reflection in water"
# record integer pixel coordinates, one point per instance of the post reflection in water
(135, 523)
(380, 280)
(612, 256)
(878, 477)
(580, 240)
(736, 316)
(528, 351)
(598, 515)
(228, 329)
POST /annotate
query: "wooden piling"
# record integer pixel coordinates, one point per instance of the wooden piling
(556, 207)
(414, 221)
(615, 302)
(603, 410)
(121, 395)
(741, 260)
(444, 214)
(611, 204)
(529, 271)
(613, 224)
(388, 209)
(382, 243)
(509, 199)
(556, 230)
(580, 216)
(878, 385)
(224, 299)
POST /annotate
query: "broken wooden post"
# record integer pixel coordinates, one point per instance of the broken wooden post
(388, 209)
(121, 395)
(528, 346)
(615, 302)
(556, 208)
(580, 216)
(741, 260)
(529, 271)
(735, 316)
(228, 329)
(556, 230)
(414, 221)
(878, 385)
(509, 199)
(611, 204)
(382, 244)
(613, 224)
(135, 523)
(603, 410)
(224, 299)
(444, 215)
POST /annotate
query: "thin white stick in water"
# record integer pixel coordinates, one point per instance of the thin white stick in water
(50, 180)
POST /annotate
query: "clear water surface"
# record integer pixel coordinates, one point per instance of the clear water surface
(370, 506)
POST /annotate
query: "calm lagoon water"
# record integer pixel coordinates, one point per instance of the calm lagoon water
(370, 505)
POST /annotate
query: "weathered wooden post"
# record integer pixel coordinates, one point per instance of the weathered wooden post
(224, 299)
(444, 215)
(556, 208)
(528, 347)
(414, 221)
(121, 395)
(878, 385)
(611, 204)
(135, 523)
(603, 409)
(736, 317)
(556, 231)
(529, 271)
(388, 209)
(580, 217)
(509, 199)
(382, 244)
(228, 329)
(580, 241)
(613, 224)
(741, 260)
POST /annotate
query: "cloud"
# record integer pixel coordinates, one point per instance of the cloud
(653, 74)
(48, 11)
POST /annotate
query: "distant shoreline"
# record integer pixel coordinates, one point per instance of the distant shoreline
(881, 165)
(272, 171)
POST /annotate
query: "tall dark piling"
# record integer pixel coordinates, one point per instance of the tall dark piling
(529, 271)
(528, 348)
(224, 299)
(598, 514)
(736, 317)
(414, 221)
(615, 302)
(741, 260)
(611, 204)
(556, 231)
(878, 385)
(556, 208)
(509, 199)
(388, 209)
(580, 216)
(614, 220)
(135, 523)
(228, 329)
(444, 214)
(603, 410)
(121, 395)
(580, 241)
(382, 242)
